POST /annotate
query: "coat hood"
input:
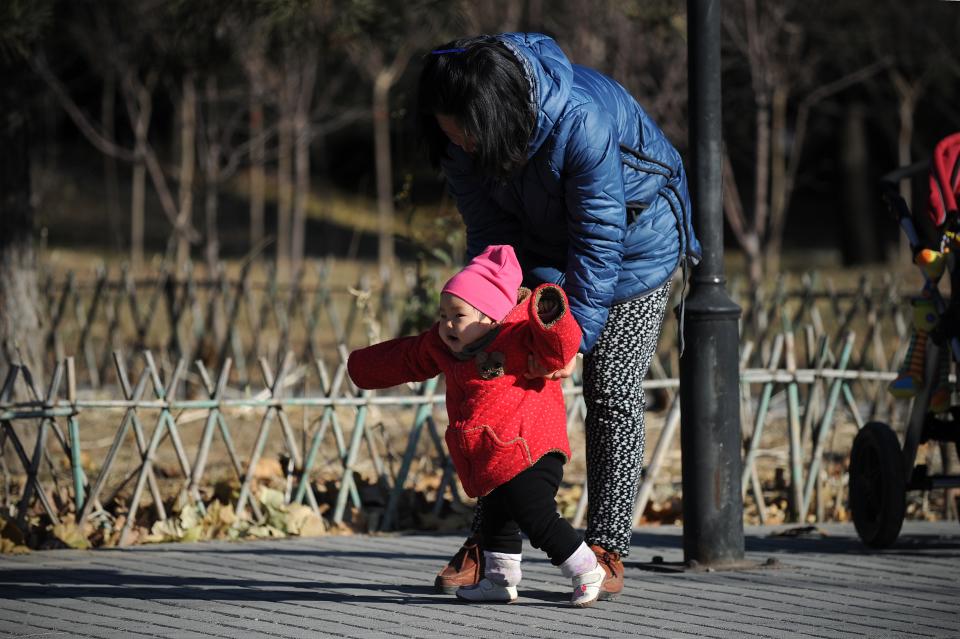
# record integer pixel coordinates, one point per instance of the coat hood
(550, 75)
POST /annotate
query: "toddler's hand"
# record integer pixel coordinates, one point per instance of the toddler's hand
(547, 309)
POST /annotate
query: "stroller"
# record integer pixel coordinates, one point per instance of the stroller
(881, 471)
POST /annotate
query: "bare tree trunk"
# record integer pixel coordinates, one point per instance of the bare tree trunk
(383, 76)
(384, 168)
(301, 190)
(257, 177)
(188, 154)
(490, 16)
(284, 192)
(212, 174)
(20, 334)
(284, 180)
(622, 34)
(754, 259)
(745, 234)
(302, 137)
(778, 181)
(860, 241)
(908, 93)
(139, 188)
(761, 190)
(511, 21)
(138, 96)
(137, 200)
(46, 155)
(112, 183)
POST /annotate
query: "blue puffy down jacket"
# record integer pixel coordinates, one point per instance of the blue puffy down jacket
(600, 208)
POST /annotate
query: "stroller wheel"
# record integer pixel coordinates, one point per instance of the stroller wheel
(877, 485)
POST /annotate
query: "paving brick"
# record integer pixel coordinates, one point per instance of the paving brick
(381, 586)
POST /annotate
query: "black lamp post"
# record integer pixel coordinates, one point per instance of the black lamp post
(709, 368)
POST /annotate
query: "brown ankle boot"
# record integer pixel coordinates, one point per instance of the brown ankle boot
(613, 566)
(464, 569)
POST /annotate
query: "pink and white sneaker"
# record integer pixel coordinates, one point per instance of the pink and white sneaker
(586, 587)
(487, 591)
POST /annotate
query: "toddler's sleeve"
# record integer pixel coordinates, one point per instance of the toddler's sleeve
(556, 342)
(396, 361)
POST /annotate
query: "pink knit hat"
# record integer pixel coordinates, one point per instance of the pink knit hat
(489, 282)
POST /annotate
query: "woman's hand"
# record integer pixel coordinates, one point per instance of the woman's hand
(535, 369)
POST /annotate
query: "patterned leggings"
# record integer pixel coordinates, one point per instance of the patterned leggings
(612, 376)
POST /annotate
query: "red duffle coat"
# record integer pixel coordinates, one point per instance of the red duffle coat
(501, 423)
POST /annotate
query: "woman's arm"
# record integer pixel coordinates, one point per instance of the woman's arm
(396, 361)
(487, 223)
(596, 219)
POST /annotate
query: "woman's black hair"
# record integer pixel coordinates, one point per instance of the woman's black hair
(482, 84)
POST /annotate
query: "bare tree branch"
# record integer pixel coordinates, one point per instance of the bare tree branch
(94, 136)
(807, 104)
(134, 93)
(344, 117)
(232, 160)
(732, 205)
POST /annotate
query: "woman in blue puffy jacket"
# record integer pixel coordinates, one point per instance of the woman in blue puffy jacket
(561, 162)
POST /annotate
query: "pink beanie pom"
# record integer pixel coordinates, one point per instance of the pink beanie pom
(489, 282)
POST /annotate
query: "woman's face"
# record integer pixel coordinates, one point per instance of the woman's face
(452, 128)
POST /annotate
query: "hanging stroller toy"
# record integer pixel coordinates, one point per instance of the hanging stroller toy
(881, 471)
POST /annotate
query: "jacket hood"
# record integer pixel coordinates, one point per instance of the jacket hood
(550, 75)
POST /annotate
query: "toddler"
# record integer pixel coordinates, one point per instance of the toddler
(507, 434)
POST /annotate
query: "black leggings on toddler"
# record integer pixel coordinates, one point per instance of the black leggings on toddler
(528, 503)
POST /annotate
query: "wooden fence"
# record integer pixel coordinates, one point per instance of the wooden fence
(813, 359)
(254, 315)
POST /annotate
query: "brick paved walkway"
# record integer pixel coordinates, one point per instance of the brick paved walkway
(379, 586)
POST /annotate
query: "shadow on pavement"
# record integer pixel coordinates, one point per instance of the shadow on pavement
(810, 539)
(45, 583)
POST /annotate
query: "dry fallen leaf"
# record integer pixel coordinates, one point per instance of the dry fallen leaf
(69, 533)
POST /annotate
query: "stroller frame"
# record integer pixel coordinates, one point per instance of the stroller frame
(881, 470)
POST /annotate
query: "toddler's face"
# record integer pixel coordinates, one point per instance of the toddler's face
(461, 323)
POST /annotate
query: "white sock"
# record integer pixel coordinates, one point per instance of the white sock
(502, 568)
(582, 560)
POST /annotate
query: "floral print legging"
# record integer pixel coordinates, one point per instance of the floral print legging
(613, 373)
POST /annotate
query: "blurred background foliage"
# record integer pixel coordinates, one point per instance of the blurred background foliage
(803, 83)
(285, 129)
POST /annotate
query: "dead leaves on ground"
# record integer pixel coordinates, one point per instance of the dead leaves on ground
(219, 521)
(214, 518)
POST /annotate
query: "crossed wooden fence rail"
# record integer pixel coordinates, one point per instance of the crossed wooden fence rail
(26, 426)
(799, 380)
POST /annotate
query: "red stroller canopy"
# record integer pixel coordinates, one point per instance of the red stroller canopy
(944, 179)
